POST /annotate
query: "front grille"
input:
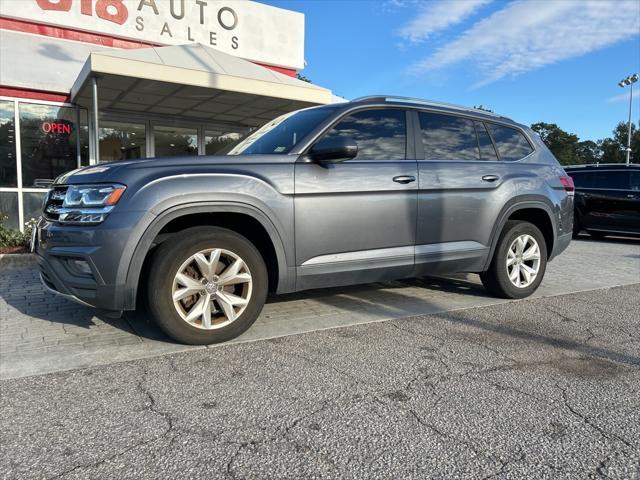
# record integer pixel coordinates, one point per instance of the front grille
(54, 201)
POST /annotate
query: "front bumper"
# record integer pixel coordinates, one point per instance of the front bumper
(106, 249)
(83, 289)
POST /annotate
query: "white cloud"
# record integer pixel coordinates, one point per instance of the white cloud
(624, 97)
(527, 35)
(438, 15)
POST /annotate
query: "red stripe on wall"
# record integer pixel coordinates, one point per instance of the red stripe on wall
(97, 38)
(68, 34)
(287, 71)
(33, 94)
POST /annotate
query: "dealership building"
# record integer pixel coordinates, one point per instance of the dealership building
(89, 81)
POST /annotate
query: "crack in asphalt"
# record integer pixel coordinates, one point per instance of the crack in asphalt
(281, 433)
(587, 421)
(601, 466)
(151, 406)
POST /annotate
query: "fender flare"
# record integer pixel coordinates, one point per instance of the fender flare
(520, 204)
(285, 279)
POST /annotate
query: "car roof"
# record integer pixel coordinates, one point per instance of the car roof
(431, 104)
(601, 166)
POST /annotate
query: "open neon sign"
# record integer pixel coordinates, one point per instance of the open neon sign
(56, 127)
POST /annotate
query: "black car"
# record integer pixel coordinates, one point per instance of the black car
(607, 199)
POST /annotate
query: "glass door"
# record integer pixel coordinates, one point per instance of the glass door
(170, 141)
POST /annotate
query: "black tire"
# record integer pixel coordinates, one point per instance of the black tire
(166, 261)
(496, 278)
(598, 235)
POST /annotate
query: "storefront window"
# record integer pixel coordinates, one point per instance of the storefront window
(32, 204)
(9, 208)
(8, 168)
(122, 141)
(216, 141)
(48, 142)
(174, 141)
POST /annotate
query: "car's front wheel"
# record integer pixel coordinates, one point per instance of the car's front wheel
(519, 261)
(206, 285)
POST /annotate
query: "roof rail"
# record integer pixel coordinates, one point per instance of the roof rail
(453, 106)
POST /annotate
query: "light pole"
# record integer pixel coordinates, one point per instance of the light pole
(630, 80)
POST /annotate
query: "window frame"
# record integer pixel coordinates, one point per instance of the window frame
(517, 129)
(410, 151)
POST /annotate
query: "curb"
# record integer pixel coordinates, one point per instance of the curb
(17, 260)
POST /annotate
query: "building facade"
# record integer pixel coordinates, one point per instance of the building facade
(89, 81)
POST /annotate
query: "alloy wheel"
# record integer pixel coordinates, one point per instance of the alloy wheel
(523, 261)
(212, 288)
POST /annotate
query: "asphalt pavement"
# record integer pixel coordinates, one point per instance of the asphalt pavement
(541, 388)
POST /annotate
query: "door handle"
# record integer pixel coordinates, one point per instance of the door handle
(490, 178)
(631, 195)
(404, 179)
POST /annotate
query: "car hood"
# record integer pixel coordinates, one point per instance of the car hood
(121, 171)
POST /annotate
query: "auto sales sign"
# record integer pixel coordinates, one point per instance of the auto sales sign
(247, 29)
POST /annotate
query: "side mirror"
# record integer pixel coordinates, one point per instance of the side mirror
(334, 149)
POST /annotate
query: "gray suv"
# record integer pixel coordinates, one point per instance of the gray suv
(375, 189)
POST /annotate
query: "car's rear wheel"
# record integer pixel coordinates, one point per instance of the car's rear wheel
(519, 261)
(206, 285)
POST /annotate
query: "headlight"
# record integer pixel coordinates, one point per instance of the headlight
(91, 196)
(83, 204)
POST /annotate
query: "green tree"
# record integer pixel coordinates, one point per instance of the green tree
(614, 147)
(588, 151)
(563, 145)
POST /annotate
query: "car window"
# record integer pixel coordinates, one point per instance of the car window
(279, 136)
(582, 179)
(512, 145)
(616, 180)
(447, 137)
(380, 134)
(635, 180)
(487, 150)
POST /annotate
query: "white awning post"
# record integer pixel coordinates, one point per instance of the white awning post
(96, 139)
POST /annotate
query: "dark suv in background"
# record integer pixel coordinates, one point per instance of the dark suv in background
(607, 199)
(375, 189)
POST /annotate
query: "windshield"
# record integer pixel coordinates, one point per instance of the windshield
(279, 136)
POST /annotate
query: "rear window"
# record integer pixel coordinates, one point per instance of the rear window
(512, 144)
(612, 180)
(604, 179)
(635, 180)
(447, 137)
(487, 151)
(582, 179)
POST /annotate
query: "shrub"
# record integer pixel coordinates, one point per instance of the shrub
(15, 238)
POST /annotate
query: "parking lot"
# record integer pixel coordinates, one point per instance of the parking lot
(540, 388)
(41, 333)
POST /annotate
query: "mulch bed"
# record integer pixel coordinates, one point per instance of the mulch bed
(20, 249)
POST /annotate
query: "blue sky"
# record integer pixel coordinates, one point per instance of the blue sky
(555, 61)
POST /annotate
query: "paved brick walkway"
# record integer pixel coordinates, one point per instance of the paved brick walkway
(41, 332)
